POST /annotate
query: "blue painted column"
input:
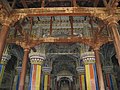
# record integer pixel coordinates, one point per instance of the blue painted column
(17, 78)
(3, 63)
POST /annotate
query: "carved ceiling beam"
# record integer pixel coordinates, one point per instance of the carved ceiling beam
(64, 11)
(101, 13)
(87, 41)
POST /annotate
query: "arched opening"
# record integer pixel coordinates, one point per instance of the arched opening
(65, 83)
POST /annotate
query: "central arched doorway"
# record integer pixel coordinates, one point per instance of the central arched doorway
(64, 82)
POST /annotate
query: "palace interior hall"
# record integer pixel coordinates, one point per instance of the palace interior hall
(59, 44)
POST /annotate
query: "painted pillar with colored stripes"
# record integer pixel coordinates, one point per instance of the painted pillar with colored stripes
(90, 70)
(3, 63)
(17, 78)
(47, 71)
(109, 78)
(81, 72)
(36, 69)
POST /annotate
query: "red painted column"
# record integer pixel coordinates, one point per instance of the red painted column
(99, 70)
(3, 36)
(23, 71)
(113, 26)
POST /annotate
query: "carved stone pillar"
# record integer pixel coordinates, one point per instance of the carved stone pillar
(99, 70)
(3, 63)
(81, 72)
(36, 68)
(90, 70)
(113, 26)
(24, 68)
(109, 78)
(46, 71)
(3, 36)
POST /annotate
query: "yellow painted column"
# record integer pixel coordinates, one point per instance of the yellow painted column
(47, 71)
(3, 63)
(81, 73)
(90, 70)
(36, 70)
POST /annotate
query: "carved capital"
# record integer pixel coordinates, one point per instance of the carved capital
(88, 57)
(47, 70)
(37, 58)
(80, 70)
(26, 49)
(5, 58)
(18, 69)
(111, 21)
(108, 69)
(96, 48)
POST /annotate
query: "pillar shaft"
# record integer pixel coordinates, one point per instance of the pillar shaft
(36, 71)
(17, 79)
(99, 71)
(90, 78)
(111, 82)
(46, 71)
(3, 36)
(90, 71)
(110, 78)
(82, 82)
(16, 82)
(81, 72)
(23, 71)
(116, 37)
(46, 82)
(35, 77)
